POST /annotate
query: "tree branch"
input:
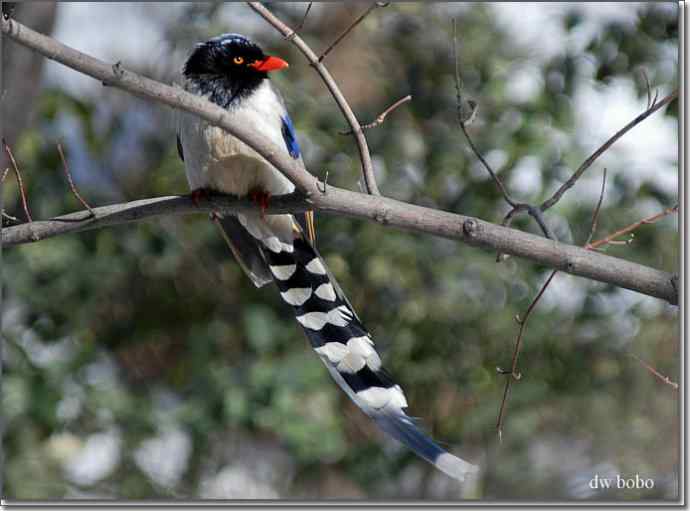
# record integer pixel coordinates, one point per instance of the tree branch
(656, 373)
(288, 33)
(533, 211)
(137, 211)
(466, 111)
(475, 232)
(381, 117)
(513, 374)
(597, 210)
(20, 182)
(70, 181)
(610, 239)
(348, 30)
(461, 121)
(304, 18)
(551, 201)
(389, 212)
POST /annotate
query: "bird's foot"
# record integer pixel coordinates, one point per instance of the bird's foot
(204, 193)
(261, 198)
(200, 193)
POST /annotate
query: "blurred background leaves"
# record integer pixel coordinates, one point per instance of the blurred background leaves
(140, 362)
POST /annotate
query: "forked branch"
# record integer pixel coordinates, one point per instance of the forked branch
(364, 155)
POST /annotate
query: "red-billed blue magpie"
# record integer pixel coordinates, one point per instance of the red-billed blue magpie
(232, 72)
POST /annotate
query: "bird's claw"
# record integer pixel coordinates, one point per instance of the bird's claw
(261, 198)
(198, 194)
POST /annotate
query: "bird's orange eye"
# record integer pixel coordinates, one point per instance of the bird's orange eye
(238, 60)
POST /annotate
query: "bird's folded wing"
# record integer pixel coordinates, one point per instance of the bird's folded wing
(245, 249)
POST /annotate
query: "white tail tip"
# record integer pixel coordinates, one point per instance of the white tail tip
(454, 466)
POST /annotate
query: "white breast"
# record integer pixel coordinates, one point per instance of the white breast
(215, 159)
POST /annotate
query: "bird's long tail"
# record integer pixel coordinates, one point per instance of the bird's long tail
(347, 350)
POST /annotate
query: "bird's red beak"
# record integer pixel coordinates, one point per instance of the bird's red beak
(269, 64)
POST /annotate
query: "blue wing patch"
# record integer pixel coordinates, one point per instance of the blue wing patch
(290, 137)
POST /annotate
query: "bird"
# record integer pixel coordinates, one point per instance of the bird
(233, 72)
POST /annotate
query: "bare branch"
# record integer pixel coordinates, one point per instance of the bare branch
(20, 182)
(473, 231)
(381, 117)
(513, 373)
(409, 217)
(535, 212)
(611, 238)
(304, 18)
(68, 174)
(648, 87)
(364, 155)
(466, 115)
(349, 29)
(461, 121)
(494, 176)
(139, 210)
(595, 215)
(551, 201)
(656, 373)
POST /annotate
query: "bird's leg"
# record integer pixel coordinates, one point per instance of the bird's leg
(261, 198)
(200, 193)
(203, 193)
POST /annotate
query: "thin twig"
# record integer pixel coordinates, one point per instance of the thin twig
(595, 216)
(488, 168)
(20, 183)
(304, 18)
(68, 174)
(325, 185)
(648, 87)
(551, 201)
(360, 139)
(513, 374)
(536, 213)
(656, 373)
(456, 60)
(4, 174)
(611, 238)
(459, 99)
(348, 30)
(382, 116)
(507, 221)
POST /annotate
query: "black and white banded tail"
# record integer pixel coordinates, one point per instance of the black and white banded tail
(347, 350)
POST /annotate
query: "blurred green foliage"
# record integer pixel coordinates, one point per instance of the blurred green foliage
(151, 327)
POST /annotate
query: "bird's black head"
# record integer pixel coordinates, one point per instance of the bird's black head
(229, 67)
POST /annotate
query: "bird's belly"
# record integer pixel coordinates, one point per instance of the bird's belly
(230, 166)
